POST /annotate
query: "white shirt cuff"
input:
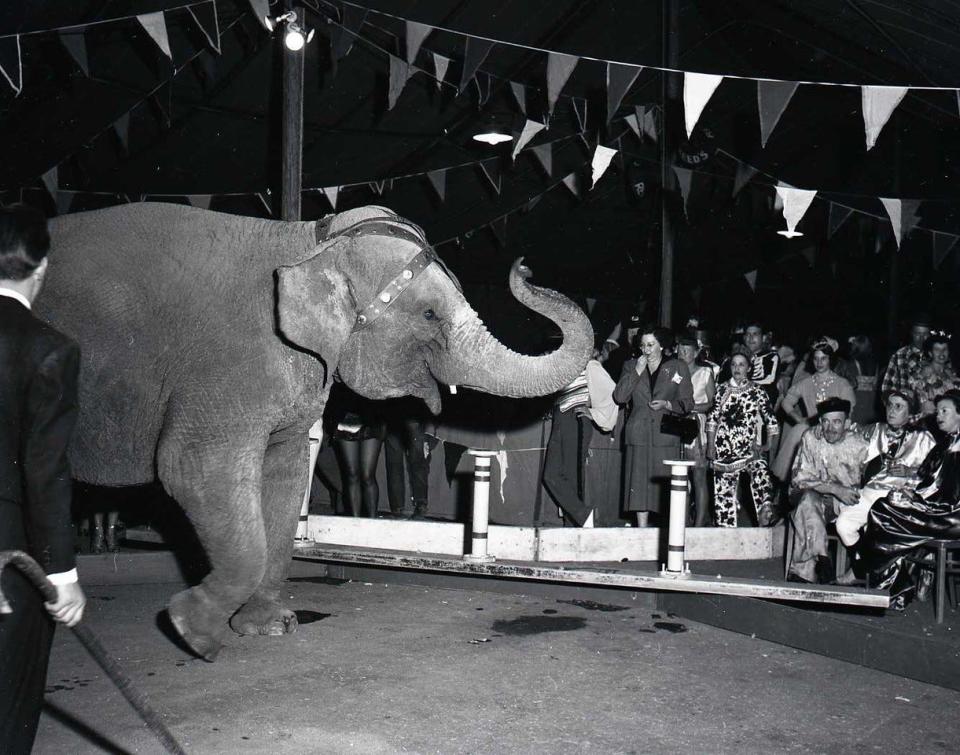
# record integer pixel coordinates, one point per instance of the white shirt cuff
(64, 577)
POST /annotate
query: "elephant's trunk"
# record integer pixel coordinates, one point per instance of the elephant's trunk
(475, 359)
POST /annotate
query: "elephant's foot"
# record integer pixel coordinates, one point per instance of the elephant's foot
(199, 622)
(263, 616)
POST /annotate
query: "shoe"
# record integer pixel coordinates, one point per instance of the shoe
(825, 571)
(419, 511)
(111, 541)
(96, 545)
(898, 604)
(791, 577)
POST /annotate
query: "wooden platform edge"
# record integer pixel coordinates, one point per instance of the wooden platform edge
(688, 583)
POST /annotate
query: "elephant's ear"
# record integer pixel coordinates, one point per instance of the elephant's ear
(316, 306)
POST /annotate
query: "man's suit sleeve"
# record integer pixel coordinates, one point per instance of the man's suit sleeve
(50, 417)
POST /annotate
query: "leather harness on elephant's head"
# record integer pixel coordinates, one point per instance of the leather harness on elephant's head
(396, 227)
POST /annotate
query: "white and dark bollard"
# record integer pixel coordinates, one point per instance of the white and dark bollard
(481, 506)
(314, 436)
(676, 535)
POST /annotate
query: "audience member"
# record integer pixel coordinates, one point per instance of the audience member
(735, 428)
(904, 365)
(653, 386)
(358, 431)
(935, 374)
(865, 370)
(407, 456)
(704, 391)
(822, 384)
(902, 522)
(764, 360)
(826, 476)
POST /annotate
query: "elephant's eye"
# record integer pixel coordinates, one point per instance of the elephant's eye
(430, 315)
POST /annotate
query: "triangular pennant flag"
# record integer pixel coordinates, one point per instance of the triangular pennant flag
(331, 193)
(416, 34)
(261, 11)
(440, 66)
(399, 75)
(10, 64)
(50, 181)
(499, 228)
(484, 87)
(777, 202)
(647, 118)
(633, 123)
(475, 53)
(76, 44)
(205, 16)
(795, 205)
(591, 303)
(64, 200)
(156, 26)
(519, 92)
(200, 200)
(601, 161)
(751, 278)
(580, 111)
(903, 216)
(559, 68)
(438, 180)
(265, 201)
(122, 128)
(345, 34)
(878, 104)
(571, 182)
(544, 155)
(743, 175)
(532, 202)
(377, 187)
(697, 90)
(894, 212)
(619, 80)
(772, 99)
(685, 179)
(942, 244)
(530, 130)
(838, 213)
(810, 255)
(491, 169)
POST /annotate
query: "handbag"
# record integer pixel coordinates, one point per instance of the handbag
(685, 428)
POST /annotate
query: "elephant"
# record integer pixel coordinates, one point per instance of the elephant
(209, 343)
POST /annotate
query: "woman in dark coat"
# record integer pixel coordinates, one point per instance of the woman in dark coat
(653, 385)
(900, 524)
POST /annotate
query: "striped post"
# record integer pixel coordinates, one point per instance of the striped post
(481, 506)
(675, 566)
(315, 434)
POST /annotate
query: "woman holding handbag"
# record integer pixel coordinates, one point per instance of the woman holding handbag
(655, 387)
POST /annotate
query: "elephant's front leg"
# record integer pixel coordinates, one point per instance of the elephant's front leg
(217, 482)
(285, 477)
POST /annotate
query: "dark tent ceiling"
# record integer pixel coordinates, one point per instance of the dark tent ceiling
(222, 137)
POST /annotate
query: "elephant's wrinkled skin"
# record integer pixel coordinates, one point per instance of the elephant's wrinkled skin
(209, 342)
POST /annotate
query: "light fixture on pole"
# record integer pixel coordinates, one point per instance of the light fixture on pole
(492, 130)
(295, 36)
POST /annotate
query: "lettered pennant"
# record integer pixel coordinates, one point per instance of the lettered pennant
(559, 68)
(751, 279)
(438, 180)
(838, 213)
(205, 16)
(76, 44)
(878, 104)
(491, 169)
(903, 216)
(475, 53)
(122, 128)
(399, 75)
(331, 193)
(942, 244)
(772, 99)
(344, 36)
(261, 10)
(697, 90)
(156, 26)
(601, 161)
(619, 80)
(544, 155)
(440, 66)
(10, 64)
(416, 34)
(685, 180)
(530, 130)
(795, 205)
(519, 92)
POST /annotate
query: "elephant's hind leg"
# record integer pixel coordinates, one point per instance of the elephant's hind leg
(217, 483)
(284, 482)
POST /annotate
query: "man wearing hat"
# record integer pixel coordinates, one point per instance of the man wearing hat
(906, 361)
(826, 477)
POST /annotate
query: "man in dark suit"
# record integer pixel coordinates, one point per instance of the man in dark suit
(38, 407)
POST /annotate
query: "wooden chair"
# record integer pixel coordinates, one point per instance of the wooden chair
(945, 566)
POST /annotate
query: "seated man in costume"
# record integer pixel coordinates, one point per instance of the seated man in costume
(895, 450)
(901, 523)
(826, 477)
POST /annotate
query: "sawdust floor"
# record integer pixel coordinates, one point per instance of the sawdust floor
(384, 668)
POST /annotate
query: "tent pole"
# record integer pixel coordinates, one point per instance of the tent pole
(669, 95)
(292, 139)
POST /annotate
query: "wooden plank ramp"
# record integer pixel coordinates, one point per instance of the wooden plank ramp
(608, 577)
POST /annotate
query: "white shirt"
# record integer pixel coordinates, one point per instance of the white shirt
(65, 577)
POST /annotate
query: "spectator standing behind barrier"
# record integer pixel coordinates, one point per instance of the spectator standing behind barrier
(822, 384)
(904, 365)
(357, 429)
(935, 375)
(735, 430)
(653, 386)
(704, 391)
(866, 378)
(407, 450)
(38, 408)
